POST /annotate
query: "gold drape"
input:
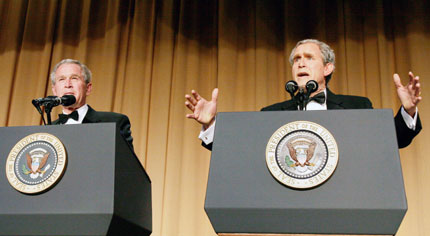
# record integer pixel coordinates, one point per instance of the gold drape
(146, 54)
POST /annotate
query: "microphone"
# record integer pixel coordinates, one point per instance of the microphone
(302, 96)
(311, 86)
(53, 101)
(291, 87)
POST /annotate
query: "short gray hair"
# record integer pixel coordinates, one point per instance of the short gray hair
(85, 71)
(326, 52)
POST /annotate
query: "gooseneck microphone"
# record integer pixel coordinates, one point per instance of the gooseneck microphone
(52, 101)
(302, 97)
(311, 86)
(291, 87)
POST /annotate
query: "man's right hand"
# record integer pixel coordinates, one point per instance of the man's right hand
(204, 111)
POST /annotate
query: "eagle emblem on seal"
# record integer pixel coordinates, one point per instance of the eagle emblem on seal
(301, 151)
(36, 161)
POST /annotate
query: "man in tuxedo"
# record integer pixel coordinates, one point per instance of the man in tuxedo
(314, 60)
(71, 77)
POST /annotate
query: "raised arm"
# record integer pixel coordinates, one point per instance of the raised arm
(410, 94)
(204, 111)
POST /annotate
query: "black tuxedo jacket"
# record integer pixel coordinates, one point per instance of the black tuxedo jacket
(404, 134)
(122, 121)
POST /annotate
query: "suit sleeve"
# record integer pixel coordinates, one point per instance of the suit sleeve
(124, 128)
(207, 146)
(404, 134)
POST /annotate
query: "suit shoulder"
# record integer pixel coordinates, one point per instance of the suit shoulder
(277, 106)
(111, 116)
(355, 102)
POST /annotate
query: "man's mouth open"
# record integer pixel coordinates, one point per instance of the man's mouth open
(302, 74)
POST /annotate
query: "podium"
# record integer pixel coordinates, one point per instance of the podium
(104, 190)
(364, 196)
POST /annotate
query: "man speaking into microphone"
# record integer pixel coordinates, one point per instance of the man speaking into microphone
(71, 77)
(314, 60)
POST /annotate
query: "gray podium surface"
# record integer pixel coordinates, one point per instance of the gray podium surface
(104, 189)
(365, 195)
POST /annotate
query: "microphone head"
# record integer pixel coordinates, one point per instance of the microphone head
(291, 86)
(35, 102)
(311, 86)
(68, 100)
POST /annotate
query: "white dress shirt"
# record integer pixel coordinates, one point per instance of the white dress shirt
(82, 111)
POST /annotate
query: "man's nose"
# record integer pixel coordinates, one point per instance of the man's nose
(68, 83)
(302, 62)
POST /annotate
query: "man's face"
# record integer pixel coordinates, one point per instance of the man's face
(69, 80)
(308, 65)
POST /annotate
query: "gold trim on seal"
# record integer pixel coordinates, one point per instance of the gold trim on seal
(309, 154)
(55, 175)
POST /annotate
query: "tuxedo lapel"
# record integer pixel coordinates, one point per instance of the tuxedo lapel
(289, 105)
(91, 116)
(333, 101)
(56, 122)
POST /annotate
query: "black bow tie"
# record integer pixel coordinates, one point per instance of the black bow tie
(319, 98)
(63, 117)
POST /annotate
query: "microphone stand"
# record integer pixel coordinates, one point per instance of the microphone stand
(300, 98)
(306, 98)
(51, 101)
(37, 105)
(295, 98)
(311, 86)
(48, 109)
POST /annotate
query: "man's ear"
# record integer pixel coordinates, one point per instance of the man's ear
(89, 88)
(328, 69)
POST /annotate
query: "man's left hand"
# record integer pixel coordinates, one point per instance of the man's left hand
(409, 95)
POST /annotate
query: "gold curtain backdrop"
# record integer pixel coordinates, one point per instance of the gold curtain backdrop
(145, 55)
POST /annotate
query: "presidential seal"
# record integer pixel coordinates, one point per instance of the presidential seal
(36, 163)
(302, 154)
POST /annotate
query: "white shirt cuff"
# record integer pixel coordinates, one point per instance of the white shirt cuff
(410, 121)
(207, 136)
